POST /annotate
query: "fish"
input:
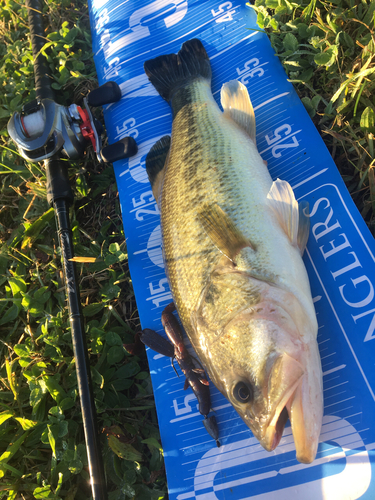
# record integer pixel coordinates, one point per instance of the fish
(232, 242)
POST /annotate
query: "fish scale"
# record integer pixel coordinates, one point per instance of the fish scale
(232, 258)
(181, 202)
(214, 180)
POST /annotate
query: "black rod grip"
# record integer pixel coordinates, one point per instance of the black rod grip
(58, 186)
(41, 71)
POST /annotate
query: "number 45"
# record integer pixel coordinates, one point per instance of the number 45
(222, 8)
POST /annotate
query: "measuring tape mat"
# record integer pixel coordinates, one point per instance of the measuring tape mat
(339, 257)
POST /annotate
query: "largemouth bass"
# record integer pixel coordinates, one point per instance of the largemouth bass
(232, 243)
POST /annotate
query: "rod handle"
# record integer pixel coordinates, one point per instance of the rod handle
(43, 87)
(58, 186)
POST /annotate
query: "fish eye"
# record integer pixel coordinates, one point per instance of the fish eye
(242, 392)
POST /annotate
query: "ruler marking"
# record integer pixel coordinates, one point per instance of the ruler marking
(341, 327)
(329, 388)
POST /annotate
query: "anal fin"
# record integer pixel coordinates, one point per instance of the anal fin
(303, 225)
(156, 160)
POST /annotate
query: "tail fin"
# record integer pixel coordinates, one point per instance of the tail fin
(169, 72)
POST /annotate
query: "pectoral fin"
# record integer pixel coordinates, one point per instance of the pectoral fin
(237, 105)
(224, 234)
(303, 225)
(291, 216)
(156, 160)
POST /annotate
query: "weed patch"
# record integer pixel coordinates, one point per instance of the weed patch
(328, 52)
(42, 447)
(327, 49)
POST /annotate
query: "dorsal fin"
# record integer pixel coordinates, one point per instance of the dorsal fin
(156, 160)
(291, 216)
(236, 103)
(224, 234)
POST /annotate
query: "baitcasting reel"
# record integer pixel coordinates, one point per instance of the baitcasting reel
(45, 128)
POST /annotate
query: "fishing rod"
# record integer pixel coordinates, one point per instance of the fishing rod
(46, 131)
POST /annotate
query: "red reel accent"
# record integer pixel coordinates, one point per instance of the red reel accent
(86, 127)
(24, 128)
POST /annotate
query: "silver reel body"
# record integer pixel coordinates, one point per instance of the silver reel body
(45, 131)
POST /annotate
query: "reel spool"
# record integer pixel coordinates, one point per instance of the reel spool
(45, 128)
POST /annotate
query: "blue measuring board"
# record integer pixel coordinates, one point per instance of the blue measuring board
(339, 256)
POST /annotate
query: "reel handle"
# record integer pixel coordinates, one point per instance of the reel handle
(105, 94)
(124, 148)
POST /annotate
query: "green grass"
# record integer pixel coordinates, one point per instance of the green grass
(42, 450)
(327, 50)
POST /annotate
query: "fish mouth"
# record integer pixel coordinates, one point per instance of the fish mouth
(276, 426)
(285, 378)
